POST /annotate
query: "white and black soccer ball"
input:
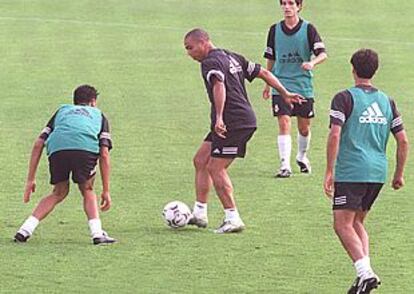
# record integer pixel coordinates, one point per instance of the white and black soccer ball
(176, 214)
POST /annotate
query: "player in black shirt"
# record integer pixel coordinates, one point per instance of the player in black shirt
(233, 123)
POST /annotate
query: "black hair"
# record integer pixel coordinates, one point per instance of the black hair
(84, 94)
(298, 2)
(198, 34)
(365, 63)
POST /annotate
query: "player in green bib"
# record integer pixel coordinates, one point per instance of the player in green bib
(294, 48)
(76, 138)
(361, 119)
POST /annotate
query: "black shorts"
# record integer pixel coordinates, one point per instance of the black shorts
(355, 196)
(234, 145)
(82, 165)
(280, 107)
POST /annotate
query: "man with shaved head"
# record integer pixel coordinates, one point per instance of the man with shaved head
(233, 123)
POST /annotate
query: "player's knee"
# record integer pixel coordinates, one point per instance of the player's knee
(200, 162)
(61, 193)
(341, 227)
(304, 130)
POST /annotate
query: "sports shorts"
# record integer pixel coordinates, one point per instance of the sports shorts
(280, 107)
(234, 145)
(82, 165)
(355, 196)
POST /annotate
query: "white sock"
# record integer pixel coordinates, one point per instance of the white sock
(284, 143)
(363, 267)
(200, 210)
(303, 146)
(28, 226)
(232, 214)
(95, 226)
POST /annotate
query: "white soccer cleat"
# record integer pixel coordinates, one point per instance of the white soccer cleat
(304, 165)
(201, 222)
(230, 226)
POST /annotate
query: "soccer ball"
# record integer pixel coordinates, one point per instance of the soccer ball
(176, 214)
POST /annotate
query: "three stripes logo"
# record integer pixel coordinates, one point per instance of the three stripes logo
(340, 200)
(373, 115)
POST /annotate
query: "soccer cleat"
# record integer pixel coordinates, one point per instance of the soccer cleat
(304, 166)
(200, 222)
(366, 285)
(354, 286)
(283, 173)
(103, 240)
(230, 227)
(20, 238)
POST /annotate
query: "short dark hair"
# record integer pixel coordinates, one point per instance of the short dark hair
(198, 34)
(84, 94)
(298, 2)
(365, 63)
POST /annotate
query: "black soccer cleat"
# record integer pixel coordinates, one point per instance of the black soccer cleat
(20, 238)
(103, 240)
(283, 173)
(304, 167)
(354, 286)
(365, 286)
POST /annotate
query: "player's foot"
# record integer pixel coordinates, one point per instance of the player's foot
(354, 286)
(284, 173)
(367, 284)
(304, 166)
(230, 227)
(200, 222)
(103, 240)
(20, 238)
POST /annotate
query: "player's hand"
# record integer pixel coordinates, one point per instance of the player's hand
(328, 184)
(220, 128)
(397, 182)
(28, 190)
(307, 66)
(291, 98)
(105, 201)
(266, 92)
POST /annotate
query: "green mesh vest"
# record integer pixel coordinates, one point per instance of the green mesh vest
(76, 127)
(291, 52)
(364, 137)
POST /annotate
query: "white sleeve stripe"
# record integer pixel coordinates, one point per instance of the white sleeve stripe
(318, 45)
(251, 67)
(46, 130)
(337, 114)
(396, 122)
(269, 51)
(214, 72)
(105, 135)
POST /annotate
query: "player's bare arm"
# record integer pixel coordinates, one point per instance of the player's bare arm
(266, 91)
(105, 169)
(331, 152)
(33, 164)
(219, 93)
(310, 65)
(272, 81)
(402, 153)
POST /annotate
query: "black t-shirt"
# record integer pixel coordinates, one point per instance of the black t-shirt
(342, 105)
(231, 69)
(314, 39)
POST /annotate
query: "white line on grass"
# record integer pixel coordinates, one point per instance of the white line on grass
(171, 28)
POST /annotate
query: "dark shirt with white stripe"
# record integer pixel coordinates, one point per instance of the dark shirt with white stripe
(231, 69)
(315, 41)
(342, 105)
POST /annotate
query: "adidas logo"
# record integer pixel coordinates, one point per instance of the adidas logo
(216, 151)
(373, 115)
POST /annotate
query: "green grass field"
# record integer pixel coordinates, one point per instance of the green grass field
(154, 97)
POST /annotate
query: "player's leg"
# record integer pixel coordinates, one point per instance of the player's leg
(304, 136)
(84, 170)
(304, 114)
(282, 111)
(361, 231)
(203, 184)
(43, 208)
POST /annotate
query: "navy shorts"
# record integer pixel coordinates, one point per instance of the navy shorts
(82, 165)
(355, 196)
(280, 107)
(234, 145)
